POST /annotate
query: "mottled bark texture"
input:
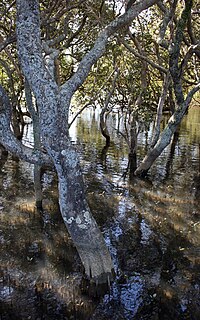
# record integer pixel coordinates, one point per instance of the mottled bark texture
(54, 134)
(53, 106)
(10, 142)
(181, 102)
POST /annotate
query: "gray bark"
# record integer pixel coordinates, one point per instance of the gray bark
(181, 103)
(53, 126)
(37, 144)
(161, 102)
(53, 106)
(168, 17)
(11, 143)
(78, 219)
(166, 136)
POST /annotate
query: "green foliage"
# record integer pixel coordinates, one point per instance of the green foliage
(72, 27)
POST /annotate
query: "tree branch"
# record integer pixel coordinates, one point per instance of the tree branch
(62, 37)
(193, 49)
(4, 43)
(100, 44)
(191, 93)
(142, 57)
(175, 52)
(168, 16)
(78, 113)
(9, 141)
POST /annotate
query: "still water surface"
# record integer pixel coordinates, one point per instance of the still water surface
(151, 227)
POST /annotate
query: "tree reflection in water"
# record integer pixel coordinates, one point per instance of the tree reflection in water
(151, 227)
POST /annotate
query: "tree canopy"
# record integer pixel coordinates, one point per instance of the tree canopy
(136, 57)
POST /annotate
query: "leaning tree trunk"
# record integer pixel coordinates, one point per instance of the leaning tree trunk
(77, 216)
(53, 105)
(53, 117)
(75, 211)
(165, 137)
(176, 72)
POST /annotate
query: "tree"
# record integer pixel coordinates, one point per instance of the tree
(177, 66)
(37, 62)
(163, 69)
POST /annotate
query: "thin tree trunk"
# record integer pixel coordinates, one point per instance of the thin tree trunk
(16, 124)
(103, 126)
(37, 145)
(161, 102)
(172, 151)
(133, 147)
(166, 135)
(104, 112)
(181, 102)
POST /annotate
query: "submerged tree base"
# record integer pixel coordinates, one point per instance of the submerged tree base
(97, 264)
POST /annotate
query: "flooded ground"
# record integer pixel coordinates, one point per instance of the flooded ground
(151, 226)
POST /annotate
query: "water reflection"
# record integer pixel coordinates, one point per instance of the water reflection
(150, 226)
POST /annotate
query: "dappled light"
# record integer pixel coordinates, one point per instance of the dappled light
(99, 160)
(151, 228)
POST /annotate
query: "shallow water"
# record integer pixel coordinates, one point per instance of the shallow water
(151, 227)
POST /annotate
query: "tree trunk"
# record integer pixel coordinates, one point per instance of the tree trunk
(182, 103)
(76, 214)
(103, 126)
(3, 156)
(105, 111)
(37, 144)
(163, 141)
(133, 147)
(161, 102)
(172, 151)
(132, 164)
(16, 123)
(53, 105)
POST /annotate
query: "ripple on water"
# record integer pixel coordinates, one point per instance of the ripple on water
(129, 295)
(5, 293)
(145, 232)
